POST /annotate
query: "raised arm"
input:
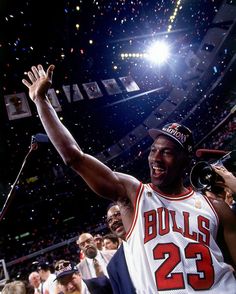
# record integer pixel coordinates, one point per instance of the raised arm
(98, 176)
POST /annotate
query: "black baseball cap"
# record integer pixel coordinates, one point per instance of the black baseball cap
(43, 265)
(179, 133)
(66, 268)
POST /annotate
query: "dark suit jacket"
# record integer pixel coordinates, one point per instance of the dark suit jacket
(99, 285)
(119, 275)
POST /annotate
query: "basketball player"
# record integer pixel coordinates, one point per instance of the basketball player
(171, 230)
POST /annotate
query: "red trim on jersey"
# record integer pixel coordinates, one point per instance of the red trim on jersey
(177, 197)
(136, 207)
(212, 207)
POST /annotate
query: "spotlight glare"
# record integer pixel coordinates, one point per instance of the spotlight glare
(158, 53)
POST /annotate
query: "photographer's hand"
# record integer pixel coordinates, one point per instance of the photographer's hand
(228, 177)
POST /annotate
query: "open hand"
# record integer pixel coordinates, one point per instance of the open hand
(40, 81)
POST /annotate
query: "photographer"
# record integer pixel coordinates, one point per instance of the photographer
(227, 182)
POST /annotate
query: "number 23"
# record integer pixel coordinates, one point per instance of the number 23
(166, 280)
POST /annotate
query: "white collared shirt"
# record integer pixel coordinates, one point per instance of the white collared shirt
(101, 261)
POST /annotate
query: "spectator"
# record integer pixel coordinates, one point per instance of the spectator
(18, 287)
(117, 267)
(98, 241)
(35, 281)
(47, 277)
(111, 242)
(95, 262)
(70, 281)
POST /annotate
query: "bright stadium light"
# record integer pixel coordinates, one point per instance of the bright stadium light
(159, 52)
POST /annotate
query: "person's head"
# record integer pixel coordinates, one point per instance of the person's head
(111, 242)
(18, 287)
(87, 244)
(44, 270)
(68, 277)
(114, 221)
(98, 241)
(169, 156)
(34, 279)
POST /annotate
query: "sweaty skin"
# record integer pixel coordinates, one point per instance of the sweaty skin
(166, 162)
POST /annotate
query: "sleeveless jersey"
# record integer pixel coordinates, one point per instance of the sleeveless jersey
(171, 245)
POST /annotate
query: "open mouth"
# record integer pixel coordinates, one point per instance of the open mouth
(117, 227)
(157, 171)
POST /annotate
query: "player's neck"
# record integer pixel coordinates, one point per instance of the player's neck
(173, 190)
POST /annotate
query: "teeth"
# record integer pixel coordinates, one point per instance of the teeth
(157, 168)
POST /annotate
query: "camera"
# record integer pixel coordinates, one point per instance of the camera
(202, 175)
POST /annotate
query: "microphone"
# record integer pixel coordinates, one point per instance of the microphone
(41, 138)
(38, 138)
(210, 153)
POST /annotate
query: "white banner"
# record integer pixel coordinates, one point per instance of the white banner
(111, 86)
(92, 89)
(129, 84)
(77, 95)
(17, 106)
(52, 96)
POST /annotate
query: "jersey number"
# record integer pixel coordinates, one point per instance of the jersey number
(166, 280)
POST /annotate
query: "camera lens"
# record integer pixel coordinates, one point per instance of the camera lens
(202, 176)
(206, 177)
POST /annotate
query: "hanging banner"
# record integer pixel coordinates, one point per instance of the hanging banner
(129, 84)
(17, 106)
(92, 89)
(52, 96)
(76, 94)
(111, 86)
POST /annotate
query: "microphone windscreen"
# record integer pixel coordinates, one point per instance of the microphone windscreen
(41, 138)
(210, 153)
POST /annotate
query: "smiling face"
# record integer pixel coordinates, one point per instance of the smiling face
(166, 161)
(115, 223)
(70, 284)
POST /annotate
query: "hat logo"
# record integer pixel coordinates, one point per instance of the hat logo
(180, 136)
(67, 268)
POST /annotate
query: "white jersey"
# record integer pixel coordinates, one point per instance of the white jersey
(171, 245)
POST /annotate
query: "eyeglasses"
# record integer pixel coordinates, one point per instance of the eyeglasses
(115, 215)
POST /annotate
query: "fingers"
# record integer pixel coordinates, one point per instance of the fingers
(50, 71)
(221, 170)
(220, 167)
(41, 71)
(35, 72)
(26, 83)
(31, 76)
(38, 73)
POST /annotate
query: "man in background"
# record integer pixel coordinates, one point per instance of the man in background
(95, 262)
(70, 281)
(98, 241)
(35, 281)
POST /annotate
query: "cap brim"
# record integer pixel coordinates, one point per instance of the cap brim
(154, 133)
(63, 274)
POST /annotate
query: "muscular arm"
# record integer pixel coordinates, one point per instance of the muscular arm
(228, 221)
(98, 176)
